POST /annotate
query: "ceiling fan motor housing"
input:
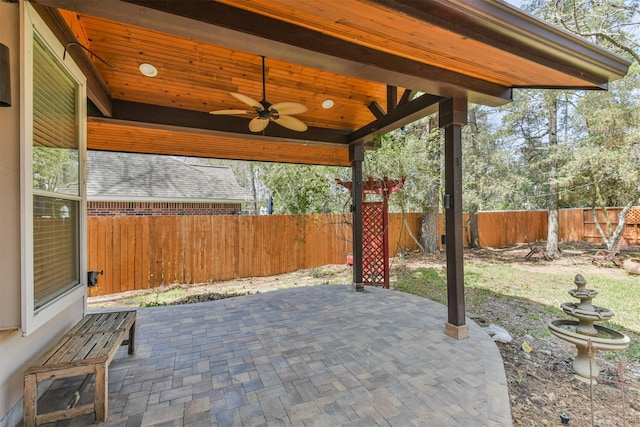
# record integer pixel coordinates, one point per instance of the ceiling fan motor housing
(265, 111)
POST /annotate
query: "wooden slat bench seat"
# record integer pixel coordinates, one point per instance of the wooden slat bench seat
(86, 349)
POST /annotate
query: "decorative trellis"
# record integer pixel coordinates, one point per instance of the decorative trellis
(375, 235)
(373, 248)
(632, 220)
(633, 216)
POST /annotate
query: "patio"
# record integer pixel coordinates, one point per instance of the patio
(314, 356)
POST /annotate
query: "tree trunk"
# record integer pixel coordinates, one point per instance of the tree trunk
(552, 232)
(552, 225)
(254, 188)
(612, 235)
(474, 236)
(607, 237)
(429, 235)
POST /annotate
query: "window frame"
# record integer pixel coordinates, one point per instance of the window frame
(33, 318)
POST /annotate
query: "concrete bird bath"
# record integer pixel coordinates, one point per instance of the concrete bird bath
(582, 331)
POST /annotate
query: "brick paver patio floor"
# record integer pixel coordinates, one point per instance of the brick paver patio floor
(313, 356)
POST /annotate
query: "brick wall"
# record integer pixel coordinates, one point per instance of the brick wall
(160, 209)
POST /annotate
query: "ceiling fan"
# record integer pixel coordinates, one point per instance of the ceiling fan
(280, 112)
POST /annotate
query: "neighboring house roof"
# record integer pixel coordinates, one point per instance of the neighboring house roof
(115, 176)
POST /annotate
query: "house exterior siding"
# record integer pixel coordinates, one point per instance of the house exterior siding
(16, 350)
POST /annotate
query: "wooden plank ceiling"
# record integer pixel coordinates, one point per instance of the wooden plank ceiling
(370, 57)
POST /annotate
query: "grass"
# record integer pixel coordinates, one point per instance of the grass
(622, 295)
(631, 353)
(485, 280)
(425, 282)
(164, 296)
(159, 297)
(180, 296)
(318, 273)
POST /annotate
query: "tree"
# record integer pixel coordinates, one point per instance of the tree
(552, 222)
(609, 24)
(304, 189)
(490, 175)
(247, 175)
(55, 168)
(606, 158)
(414, 152)
(612, 24)
(608, 139)
(532, 119)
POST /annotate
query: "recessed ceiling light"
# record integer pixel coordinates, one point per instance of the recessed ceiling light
(148, 70)
(327, 103)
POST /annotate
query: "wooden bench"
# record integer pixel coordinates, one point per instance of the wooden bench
(86, 349)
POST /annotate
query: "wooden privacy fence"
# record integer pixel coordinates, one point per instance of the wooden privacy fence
(502, 228)
(145, 252)
(631, 231)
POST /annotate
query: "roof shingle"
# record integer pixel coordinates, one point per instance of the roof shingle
(140, 177)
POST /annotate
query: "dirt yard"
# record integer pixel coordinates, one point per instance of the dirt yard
(541, 383)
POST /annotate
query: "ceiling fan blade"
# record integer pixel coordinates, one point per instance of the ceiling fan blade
(258, 124)
(289, 108)
(247, 100)
(232, 112)
(291, 122)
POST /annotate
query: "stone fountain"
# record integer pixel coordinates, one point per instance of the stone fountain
(584, 330)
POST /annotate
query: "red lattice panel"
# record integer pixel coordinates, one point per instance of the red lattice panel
(372, 242)
(633, 216)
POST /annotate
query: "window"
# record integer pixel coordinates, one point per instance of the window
(55, 179)
(53, 149)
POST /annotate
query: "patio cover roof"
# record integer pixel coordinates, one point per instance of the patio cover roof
(384, 63)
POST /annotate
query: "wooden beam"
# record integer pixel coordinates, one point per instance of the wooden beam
(222, 25)
(155, 116)
(97, 90)
(376, 110)
(114, 135)
(453, 115)
(392, 98)
(401, 116)
(407, 96)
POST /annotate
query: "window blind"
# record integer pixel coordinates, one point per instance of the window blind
(55, 171)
